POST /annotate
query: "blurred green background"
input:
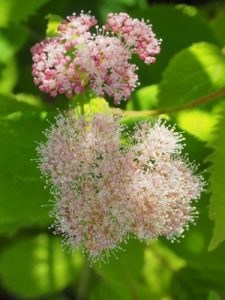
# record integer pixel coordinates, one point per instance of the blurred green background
(33, 264)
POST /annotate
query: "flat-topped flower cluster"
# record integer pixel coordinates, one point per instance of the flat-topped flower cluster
(106, 191)
(76, 59)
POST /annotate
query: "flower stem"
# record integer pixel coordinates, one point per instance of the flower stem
(191, 104)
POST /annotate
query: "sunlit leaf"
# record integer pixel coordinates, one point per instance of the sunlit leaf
(198, 122)
(15, 11)
(37, 266)
(192, 73)
(53, 24)
(144, 98)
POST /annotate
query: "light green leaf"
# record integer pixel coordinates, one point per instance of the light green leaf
(37, 266)
(53, 24)
(8, 76)
(217, 175)
(15, 11)
(144, 98)
(192, 73)
(198, 122)
(160, 265)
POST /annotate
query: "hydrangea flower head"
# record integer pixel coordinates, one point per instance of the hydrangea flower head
(105, 193)
(77, 59)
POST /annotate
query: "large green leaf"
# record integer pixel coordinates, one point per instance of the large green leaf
(21, 190)
(192, 73)
(179, 27)
(37, 266)
(217, 175)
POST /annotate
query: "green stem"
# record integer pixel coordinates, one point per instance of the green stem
(191, 104)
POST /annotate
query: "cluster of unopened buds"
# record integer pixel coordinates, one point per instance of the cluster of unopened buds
(109, 186)
(77, 60)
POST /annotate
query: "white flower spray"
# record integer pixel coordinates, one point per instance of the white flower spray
(105, 193)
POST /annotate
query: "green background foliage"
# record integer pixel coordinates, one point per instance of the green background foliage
(33, 264)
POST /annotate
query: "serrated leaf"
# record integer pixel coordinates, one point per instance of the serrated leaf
(217, 175)
(53, 24)
(178, 27)
(37, 266)
(15, 11)
(192, 73)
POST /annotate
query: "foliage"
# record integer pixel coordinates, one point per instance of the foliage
(33, 265)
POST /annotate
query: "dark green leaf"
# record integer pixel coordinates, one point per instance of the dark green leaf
(217, 175)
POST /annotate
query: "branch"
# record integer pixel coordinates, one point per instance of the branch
(156, 112)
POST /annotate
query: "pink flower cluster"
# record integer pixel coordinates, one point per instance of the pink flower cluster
(105, 192)
(137, 35)
(77, 60)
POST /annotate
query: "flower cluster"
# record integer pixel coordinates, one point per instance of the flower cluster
(106, 191)
(76, 59)
(137, 35)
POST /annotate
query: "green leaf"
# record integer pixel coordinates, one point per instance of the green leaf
(15, 11)
(11, 40)
(192, 73)
(122, 273)
(178, 27)
(19, 103)
(213, 295)
(22, 192)
(37, 266)
(8, 76)
(217, 175)
(198, 122)
(53, 24)
(144, 98)
(160, 265)
(218, 24)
